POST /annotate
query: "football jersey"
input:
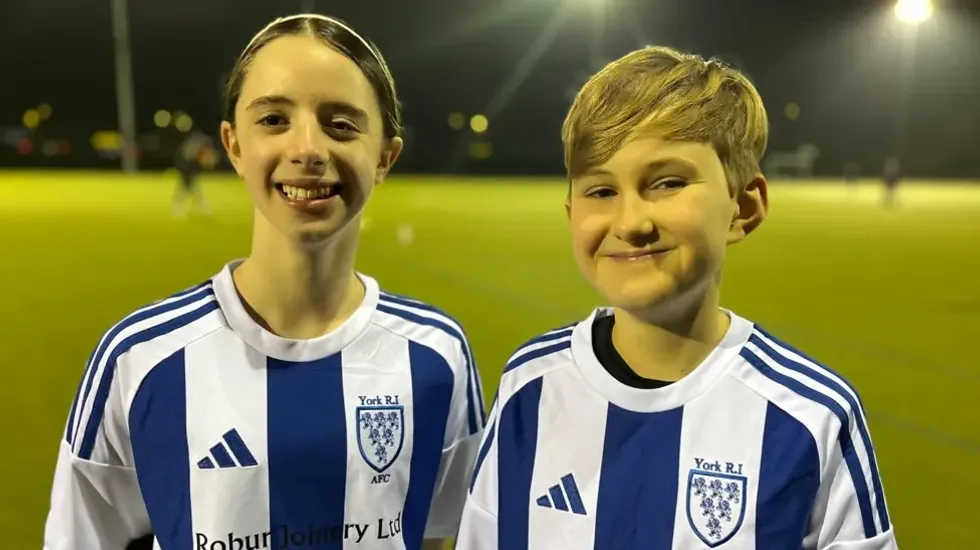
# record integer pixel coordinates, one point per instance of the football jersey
(196, 424)
(759, 447)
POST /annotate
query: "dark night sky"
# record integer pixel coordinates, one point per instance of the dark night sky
(842, 61)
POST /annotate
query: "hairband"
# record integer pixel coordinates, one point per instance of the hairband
(340, 24)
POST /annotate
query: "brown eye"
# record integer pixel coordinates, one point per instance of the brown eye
(670, 183)
(273, 121)
(344, 126)
(601, 193)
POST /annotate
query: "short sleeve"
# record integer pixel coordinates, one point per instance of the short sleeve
(850, 512)
(464, 428)
(95, 497)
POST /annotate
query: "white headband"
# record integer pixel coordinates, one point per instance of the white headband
(340, 24)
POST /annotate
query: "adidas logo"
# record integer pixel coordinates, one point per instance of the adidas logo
(220, 456)
(560, 497)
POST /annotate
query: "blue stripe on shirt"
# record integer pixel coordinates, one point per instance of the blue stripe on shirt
(516, 450)
(789, 478)
(432, 393)
(158, 434)
(843, 437)
(638, 483)
(307, 438)
(474, 417)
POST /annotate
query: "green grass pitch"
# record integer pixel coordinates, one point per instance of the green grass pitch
(891, 299)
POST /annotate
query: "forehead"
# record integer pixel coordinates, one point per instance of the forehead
(644, 153)
(305, 68)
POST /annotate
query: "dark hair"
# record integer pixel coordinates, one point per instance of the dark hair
(336, 34)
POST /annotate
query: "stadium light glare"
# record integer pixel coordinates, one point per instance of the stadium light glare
(457, 121)
(913, 12)
(479, 124)
(31, 119)
(161, 118)
(182, 122)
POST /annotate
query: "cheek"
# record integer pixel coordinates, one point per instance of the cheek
(257, 155)
(363, 158)
(696, 222)
(588, 230)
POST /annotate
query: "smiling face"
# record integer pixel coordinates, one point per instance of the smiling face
(307, 138)
(651, 225)
(662, 150)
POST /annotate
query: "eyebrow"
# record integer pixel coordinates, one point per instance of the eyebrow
(651, 166)
(267, 100)
(274, 100)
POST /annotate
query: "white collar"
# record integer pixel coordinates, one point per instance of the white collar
(712, 369)
(283, 348)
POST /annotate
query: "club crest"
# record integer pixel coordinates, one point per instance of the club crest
(380, 434)
(715, 505)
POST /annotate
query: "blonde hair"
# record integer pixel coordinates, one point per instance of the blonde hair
(676, 96)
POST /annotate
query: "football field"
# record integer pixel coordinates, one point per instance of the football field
(888, 298)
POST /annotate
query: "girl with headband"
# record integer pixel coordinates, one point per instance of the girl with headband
(286, 402)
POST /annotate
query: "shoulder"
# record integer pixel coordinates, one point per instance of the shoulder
(131, 348)
(801, 385)
(535, 358)
(423, 323)
(171, 322)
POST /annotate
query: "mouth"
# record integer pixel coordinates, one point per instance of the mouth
(637, 255)
(309, 195)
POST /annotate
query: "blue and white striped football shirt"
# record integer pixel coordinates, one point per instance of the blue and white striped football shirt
(759, 447)
(195, 423)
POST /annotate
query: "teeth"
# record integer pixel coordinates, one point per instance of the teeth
(306, 193)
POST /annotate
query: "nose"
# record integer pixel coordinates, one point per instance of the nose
(307, 149)
(634, 223)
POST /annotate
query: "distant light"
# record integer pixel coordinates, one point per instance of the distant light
(479, 124)
(183, 122)
(50, 148)
(161, 118)
(64, 147)
(792, 111)
(106, 141)
(24, 146)
(32, 119)
(481, 150)
(44, 110)
(457, 121)
(913, 12)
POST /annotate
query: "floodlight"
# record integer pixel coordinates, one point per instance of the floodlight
(479, 124)
(913, 12)
(162, 118)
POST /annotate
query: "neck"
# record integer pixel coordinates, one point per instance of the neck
(298, 292)
(667, 345)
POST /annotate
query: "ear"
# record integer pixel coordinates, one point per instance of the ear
(751, 208)
(389, 155)
(230, 141)
(568, 201)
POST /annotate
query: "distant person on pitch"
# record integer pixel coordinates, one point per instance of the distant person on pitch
(891, 175)
(287, 401)
(192, 154)
(666, 421)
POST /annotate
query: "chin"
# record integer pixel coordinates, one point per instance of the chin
(637, 301)
(652, 286)
(320, 233)
(314, 237)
